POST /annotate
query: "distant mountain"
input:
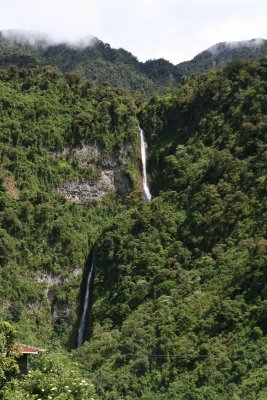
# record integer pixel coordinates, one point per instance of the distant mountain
(100, 63)
(221, 54)
(97, 62)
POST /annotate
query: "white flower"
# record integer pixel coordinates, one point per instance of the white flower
(54, 388)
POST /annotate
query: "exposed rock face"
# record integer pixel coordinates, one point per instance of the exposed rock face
(50, 280)
(111, 176)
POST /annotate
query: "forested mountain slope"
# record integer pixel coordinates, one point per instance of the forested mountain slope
(178, 307)
(59, 139)
(221, 54)
(97, 62)
(100, 63)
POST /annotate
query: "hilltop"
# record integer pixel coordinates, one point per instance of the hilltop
(99, 63)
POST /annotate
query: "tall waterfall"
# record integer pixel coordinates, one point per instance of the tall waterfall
(143, 156)
(85, 306)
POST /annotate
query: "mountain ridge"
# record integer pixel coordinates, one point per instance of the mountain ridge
(100, 63)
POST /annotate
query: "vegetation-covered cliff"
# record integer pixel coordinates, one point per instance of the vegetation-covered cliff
(61, 140)
(178, 306)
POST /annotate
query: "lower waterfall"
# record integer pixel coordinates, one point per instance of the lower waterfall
(143, 157)
(85, 306)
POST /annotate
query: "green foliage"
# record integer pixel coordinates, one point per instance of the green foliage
(44, 239)
(55, 376)
(178, 308)
(221, 54)
(180, 285)
(101, 64)
(8, 364)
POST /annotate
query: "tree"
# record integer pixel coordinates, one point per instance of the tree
(8, 364)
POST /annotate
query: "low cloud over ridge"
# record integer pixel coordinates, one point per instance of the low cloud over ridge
(43, 39)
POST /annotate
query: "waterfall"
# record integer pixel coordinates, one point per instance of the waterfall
(85, 306)
(143, 156)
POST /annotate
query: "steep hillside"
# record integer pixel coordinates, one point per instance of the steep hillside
(221, 54)
(100, 63)
(60, 140)
(179, 307)
(178, 297)
(97, 62)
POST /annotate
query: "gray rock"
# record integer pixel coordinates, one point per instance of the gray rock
(112, 177)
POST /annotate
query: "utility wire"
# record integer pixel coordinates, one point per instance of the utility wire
(203, 356)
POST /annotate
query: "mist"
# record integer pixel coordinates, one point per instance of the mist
(43, 39)
(219, 47)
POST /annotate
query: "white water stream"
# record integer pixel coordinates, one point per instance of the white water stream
(89, 277)
(85, 307)
(143, 157)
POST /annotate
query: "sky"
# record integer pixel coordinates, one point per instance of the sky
(176, 30)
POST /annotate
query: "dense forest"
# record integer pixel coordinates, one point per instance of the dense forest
(178, 303)
(100, 63)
